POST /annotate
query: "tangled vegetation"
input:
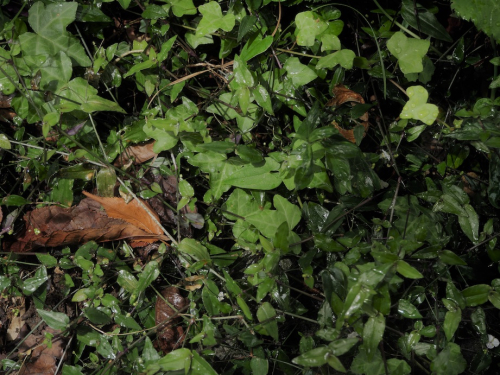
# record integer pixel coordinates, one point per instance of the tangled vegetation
(249, 186)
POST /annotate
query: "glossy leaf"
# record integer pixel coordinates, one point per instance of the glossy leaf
(476, 295)
(408, 310)
(54, 319)
(372, 334)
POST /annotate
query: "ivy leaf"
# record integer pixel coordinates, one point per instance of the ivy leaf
(299, 73)
(255, 46)
(50, 37)
(79, 95)
(484, 14)
(309, 24)
(417, 107)
(344, 58)
(182, 7)
(408, 51)
(57, 69)
(213, 19)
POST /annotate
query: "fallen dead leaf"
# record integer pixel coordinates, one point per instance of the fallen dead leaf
(57, 226)
(341, 96)
(136, 154)
(42, 359)
(131, 212)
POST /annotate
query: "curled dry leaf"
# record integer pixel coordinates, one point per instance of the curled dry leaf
(170, 337)
(57, 226)
(341, 96)
(137, 154)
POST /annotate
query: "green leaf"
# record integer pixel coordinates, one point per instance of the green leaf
(476, 294)
(50, 37)
(344, 58)
(255, 46)
(449, 257)
(106, 181)
(408, 310)
(423, 21)
(291, 212)
(177, 360)
(127, 322)
(47, 260)
(299, 73)
(14, 200)
(309, 25)
(213, 19)
(372, 334)
(78, 94)
(484, 14)
(194, 249)
(342, 346)
(127, 281)
(182, 7)
(54, 319)
(493, 296)
(56, 70)
(494, 179)
(259, 365)
(408, 271)
(263, 98)
(255, 177)
(148, 275)
(452, 320)
(409, 52)
(4, 141)
(313, 358)
(470, 223)
(199, 366)
(267, 313)
(417, 107)
(96, 316)
(449, 361)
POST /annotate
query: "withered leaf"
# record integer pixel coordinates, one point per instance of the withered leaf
(43, 360)
(131, 212)
(139, 154)
(341, 96)
(57, 226)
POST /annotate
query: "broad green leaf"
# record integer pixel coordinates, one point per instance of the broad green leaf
(417, 107)
(242, 74)
(290, 211)
(106, 181)
(127, 322)
(408, 271)
(309, 25)
(259, 365)
(195, 249)
(476, 295)
(47, 260)
(408, 310)
(78, 94)
(451, 321)
(14, 200)
(267, 313)
(493, 296)
(148, 275)
(470, 223)
(263, 98)
(182, 7)
(344, 58)
(127, 281)
(199, 366)
(251, 177)
(484, 14)
(54, 319)
(362, 365)
(63, 192)
(249, 154)
(478, 319)
(408, 51)
(8, 75)
(299, 73)
(449, 361)
(423, 21)
(177, 360)
(372, 334)
(255, 46)
(313, 358)
(342, 346)
(4, 141)
(56, 71)
(51, 37)
(96, 316)
(449, 257)
(213, 19)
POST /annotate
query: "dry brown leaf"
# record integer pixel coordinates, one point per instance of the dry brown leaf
(131, 212)
(58, 226)
(42, 360)
(139, 154)
(341, 96)
(170, 337)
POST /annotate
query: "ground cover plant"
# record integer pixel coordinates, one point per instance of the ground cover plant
(249, 187)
